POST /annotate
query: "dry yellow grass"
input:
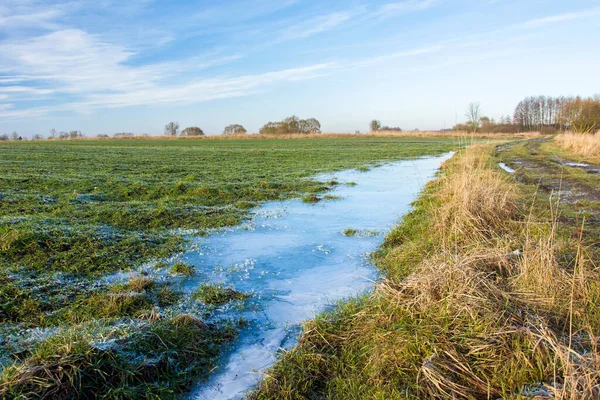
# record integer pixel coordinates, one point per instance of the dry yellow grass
(584, 145)
(331, 135)
(476, 229)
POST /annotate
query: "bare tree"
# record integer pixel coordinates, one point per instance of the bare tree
(52, 134)
(15, 136)
(375, 125)
(37, 136)
(172, 128)
(473, 114)
(537, 113)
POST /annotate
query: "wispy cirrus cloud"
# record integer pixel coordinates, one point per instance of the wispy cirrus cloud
(392, 9)
(196, 90)
(568, 16)
(317, 25)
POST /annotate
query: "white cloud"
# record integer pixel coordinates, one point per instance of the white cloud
(317, 25)
(24, 90)
(560, 18)
(74, 61)
(396, 55)
(206, 89)
(29, 14)
(192, 91)
(391, 9)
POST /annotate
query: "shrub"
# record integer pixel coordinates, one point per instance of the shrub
(182, 268)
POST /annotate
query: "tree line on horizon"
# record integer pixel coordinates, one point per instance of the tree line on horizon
(535, 113)
(539, 113)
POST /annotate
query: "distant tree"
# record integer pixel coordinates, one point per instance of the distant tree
(272, 128)
(310, 125)
(505, 120)
(52, 134)
(123, 135)
(391, 128)
(290, 125)
(172, 128)
(63, 135)
(37, 136)
(192, 131)
(75, 134)
(582, 115)
(104, 136)
(234, 129)
(15, 136)
(4, 137)
(473, 114)
(537, 113)
(375, 125)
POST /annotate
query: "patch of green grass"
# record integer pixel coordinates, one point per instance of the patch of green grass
(16, 303)
(181, 268)
(311, 198)
(76, 248)
(217, 294)
(133, 299)
(360, 232)
(161, 265)
(350, 232)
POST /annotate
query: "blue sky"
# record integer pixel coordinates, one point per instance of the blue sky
(106, 66)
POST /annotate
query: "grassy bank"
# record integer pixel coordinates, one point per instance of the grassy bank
(72, 212)
(491, 292)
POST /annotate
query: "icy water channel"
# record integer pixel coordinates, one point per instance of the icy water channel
(296, 261)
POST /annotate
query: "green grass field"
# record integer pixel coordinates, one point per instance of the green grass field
(72, 211)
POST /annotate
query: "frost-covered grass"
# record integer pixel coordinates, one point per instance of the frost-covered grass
(74, 211)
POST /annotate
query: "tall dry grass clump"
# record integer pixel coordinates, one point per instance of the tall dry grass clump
(476, 201)
(489, 309)
(584, 145)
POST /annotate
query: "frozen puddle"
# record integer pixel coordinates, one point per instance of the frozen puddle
(295, 260)
(576, 164)
(506, 168)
